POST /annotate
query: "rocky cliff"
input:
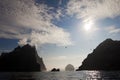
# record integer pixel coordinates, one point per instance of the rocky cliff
(21, 59)
(106, 56)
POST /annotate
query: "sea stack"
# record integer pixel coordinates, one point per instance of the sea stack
(55, 70)
(69, 67)
(22, 59)
(106, 56)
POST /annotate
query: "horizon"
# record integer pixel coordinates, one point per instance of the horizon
(63, 31)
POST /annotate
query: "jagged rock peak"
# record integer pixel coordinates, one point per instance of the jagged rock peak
(25, 46)
(22, 58)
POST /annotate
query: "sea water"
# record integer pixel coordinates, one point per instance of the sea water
(70, 75)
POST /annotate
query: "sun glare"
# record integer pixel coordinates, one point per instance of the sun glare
(88, 26)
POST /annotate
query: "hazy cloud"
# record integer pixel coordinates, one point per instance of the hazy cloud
(95, 9)
(59, 58)
(28, 21)
(22, 42)
(112, 29)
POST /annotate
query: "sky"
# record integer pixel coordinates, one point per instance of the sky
(63, 31)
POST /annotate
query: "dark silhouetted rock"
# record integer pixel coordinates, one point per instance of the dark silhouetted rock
(69, 67)
(22, 59)
(105, 57)
(55, 70)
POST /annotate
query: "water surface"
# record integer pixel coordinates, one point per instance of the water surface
(79, 75)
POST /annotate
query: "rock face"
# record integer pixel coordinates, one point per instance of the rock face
(69, 67)
(22, 59)
(55, 70)
(105, 57)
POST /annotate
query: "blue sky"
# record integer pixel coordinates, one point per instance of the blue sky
(64, 31)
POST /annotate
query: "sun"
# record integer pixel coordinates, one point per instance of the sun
(88, 26)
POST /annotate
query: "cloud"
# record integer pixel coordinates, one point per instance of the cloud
(112, 29)
(31, 22)
(54, 35)
(22, 42)
(59, 13)
(95, 9)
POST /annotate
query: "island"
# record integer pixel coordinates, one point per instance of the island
(106, 56)
(22, 59)
(69, 67)
(55, 70)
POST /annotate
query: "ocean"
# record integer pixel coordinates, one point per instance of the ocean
(63, 75)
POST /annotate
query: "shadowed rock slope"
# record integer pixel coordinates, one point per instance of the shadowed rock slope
(22, 59)
(105, 57)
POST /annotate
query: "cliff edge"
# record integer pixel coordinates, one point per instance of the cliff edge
(106, 56)
(22, 59)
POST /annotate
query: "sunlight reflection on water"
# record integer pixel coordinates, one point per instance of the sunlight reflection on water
(79, 75)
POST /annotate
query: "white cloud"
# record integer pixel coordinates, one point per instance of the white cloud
(95, 9)
(59, 14)
(53, 35)
(22, 42)
(112, 29)
(28, 21)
